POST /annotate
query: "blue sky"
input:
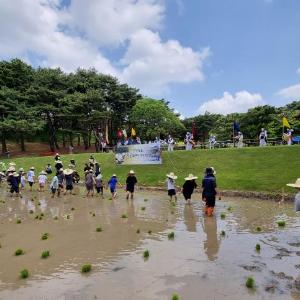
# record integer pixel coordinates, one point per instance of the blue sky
(201, 55)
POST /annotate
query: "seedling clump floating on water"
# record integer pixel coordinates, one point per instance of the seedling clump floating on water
(146, 254)
(171, 235)
(145, 200)
(31, 211)
(72, 208)
(281, 223)
(41, 214)
(45, 254)
(257, 247)
(19, 252)
(99, 229)
(150, 231)
(86, 268)
(175, 297)
(55, 218)
(137, 231)
(223, 216)
(19, 221)
(124, 216)
(258, 229)
(250, 282)
(45, 236)
(229, 208)
(143, 208)
(24, 274)
(223, 233)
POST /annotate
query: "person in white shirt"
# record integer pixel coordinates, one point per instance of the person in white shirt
(290, 137)
(212, 142)
(31, 177)
(42, 181)
(170, 143)
(171, 186)
(296, 185)
(263, 138)
(240, 139)
(189, 141)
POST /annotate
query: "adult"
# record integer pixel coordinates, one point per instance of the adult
(31, 178)
(296, 185)
(58, 165)
(97, 169)
(189, 143)
(99, 184)
(42, 179)
(89, 183)
(209, 191)
(14, 183)
(290, 137)
(188, 187)
(212, 141)
(57, 157)
(61, 179)
(131, 181)
(69, 180)
(263, 137)
(240, 139)
(54, 186)
(171, 143)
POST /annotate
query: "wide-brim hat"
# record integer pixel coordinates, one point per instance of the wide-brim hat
(68, 171)
(114, 175)
(191, 177)
(131, 172)
(61, 170)
(11, 169)
(32, 168)
(43, 173)
(12, 164)
(59, 161)
(2, 174)
(15, 174)
(172, 176)
(21, 170)
(296, 184)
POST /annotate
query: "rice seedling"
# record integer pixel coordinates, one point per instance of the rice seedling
(40, 218)
(39, 203)
(281, 223)
(18, 221)
(172, 212)
(173, 204)
(86, 268)
(55, 218)
(110, 198)
(229, 208)
(99, 229)
(223, 233)
(257, 247)
(45, 236)
(36, 217)
(258, 229)
(171, 235)
(94, 215)
(145, 200)
(143, 208)
(72, 208)
(146, 254)
(175, 297)
(24, 274)
(149, 231)
(42, 215)
(45, 254)
(19, 252)
(124, 216)
(31, 211)
(250, 282)
(137, 231)
(223, 216)
(68, 217)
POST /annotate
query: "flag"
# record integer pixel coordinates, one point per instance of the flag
(133, 133)
(236, 126)
(119, 133)
(124, 133)
(285, 122)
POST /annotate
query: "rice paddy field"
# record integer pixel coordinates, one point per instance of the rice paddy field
(75, 247)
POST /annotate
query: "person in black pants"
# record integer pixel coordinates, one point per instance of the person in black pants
(131, 181)
(209, 191)
(188, 187)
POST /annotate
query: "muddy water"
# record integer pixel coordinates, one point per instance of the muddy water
(199, 263)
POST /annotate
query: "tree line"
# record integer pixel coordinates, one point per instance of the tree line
(47, 104)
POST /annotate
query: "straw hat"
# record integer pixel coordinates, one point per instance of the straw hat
(296, 184)
(2, 174)
(68, 171)
(61, 170)
(12, 164)
(114, 175)
(131, 172)
(191, 177)
(43, 173)
(21, 170)
(172, 176)
(32, 168)
(11, 169)
(15, 174)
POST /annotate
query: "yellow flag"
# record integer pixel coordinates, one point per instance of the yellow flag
(285, 122)
(133, 133)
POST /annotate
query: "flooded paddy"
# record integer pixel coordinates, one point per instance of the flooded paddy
(209, 258)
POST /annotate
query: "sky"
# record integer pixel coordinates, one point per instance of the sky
(217, 56)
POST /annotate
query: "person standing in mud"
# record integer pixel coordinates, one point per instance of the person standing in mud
(188, 187)
(296, 185)
(171, 186)
(131, 181)
(61, 179)
(54, 186)
(13, 180)
(209, 191)
(31, 178)
(90, 183)
(69, 180)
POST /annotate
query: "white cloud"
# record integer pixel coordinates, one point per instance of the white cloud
(298, 71)
(239, 102)
(292, 91)
(152, 64)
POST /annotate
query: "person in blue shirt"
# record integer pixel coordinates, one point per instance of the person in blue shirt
(112, 183)
(209, 191)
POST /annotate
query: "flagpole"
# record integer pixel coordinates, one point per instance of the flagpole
(233, 140)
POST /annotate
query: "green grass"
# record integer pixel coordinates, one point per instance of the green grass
(86, 268)
(250, 282)
(45, 254)
(24, 274)
(252, 168)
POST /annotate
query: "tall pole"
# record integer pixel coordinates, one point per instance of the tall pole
(233, 139)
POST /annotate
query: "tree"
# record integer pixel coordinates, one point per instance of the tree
(153, 118)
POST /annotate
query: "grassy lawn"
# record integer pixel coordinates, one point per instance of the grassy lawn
(252, 169)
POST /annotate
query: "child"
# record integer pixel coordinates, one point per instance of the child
(69, 180)
(42, 181)
(112, 183)
(188, 187)
(48, 169)
(31, 177)
(209, 191)
(171, 186)
(54, 186)
(297, 197)
(23, 180)
(131, 181)
(99, 184)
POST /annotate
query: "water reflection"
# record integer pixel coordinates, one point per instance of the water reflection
(212, 243)
(190, 218)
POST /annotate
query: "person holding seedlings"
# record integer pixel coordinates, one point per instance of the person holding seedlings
(97, 169)
(13, 180)
(61, 179)
(188, 187)
(92, 161)
(23, 180)
(54, 186)
(171, 186)
(69, 180)
(99, 184)
(48, 169)
(209, 191)
(296, 185)
(131, 181)
(31, 177)
(89, 183)
(42, 181)
(112, 183)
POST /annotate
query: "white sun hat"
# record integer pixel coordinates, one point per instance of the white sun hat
(131, 172)
(172, 175)
(296, 184)
(191, 177)
(68, 171)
